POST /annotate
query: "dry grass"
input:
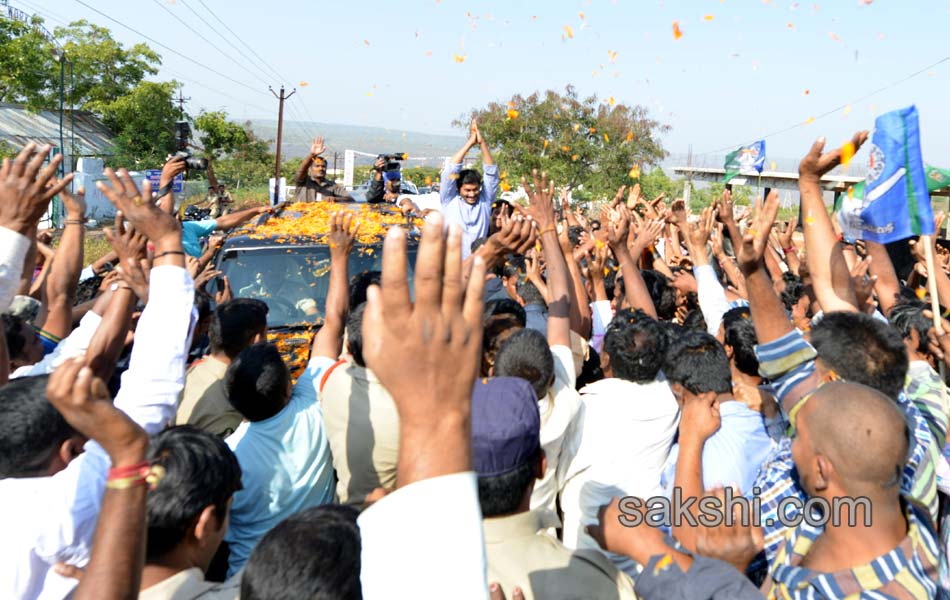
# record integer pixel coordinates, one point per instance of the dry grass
(95, 247)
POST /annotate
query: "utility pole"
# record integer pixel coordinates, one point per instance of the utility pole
(181, 104)
(280, 131)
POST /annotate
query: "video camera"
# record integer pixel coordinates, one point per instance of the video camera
(392, 160)
(182, 135)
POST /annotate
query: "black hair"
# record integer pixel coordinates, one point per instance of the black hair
(861, 349)
(354, 334)
(322, 159)
(235, 323)
(595, 225)
(257, 382)
(359, 283)
(496, 331)
(314, 554)
(611, 279)
(698, 362)
(468, 176)
(662, 293)
(908, 315)
(590, 371)
(794, 290)
(526, 354)
(200, 471)
(529, 293)
(13, 328)
(574, 234)
(695, 320)
(502, 494)
(636, 344)
(740, 335)
(31, 429)
(505, 306)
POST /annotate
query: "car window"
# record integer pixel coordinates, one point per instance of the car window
(293, 281)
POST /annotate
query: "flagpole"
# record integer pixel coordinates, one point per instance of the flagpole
(932, 282)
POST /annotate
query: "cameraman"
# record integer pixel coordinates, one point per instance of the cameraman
(311, 180)
(386, 186)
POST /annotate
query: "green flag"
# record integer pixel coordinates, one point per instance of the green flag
(937, 178)
(746, 160)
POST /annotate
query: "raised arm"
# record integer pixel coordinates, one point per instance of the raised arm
(634, 287)
(64, 274)
(487, 159)
(239, 218)
(150, 387)
(473, 137)
(24, 197)
(170, 170)
(118, 548)
(541, 210)
(826, 263)
(329, 340)
(579, 300)
(768, 312)
(316, 149)
(699, 420)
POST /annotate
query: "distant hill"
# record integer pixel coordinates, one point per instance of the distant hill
(374, 140)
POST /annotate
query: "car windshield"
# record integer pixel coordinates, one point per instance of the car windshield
(294, 281)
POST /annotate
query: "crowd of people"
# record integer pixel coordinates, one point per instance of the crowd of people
(504, 419)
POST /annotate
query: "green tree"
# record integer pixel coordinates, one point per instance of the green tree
(144, 123)
(578, 141)
(248, 161)
(26, 64)
(655, 182)
(219, 136)
(103, 69)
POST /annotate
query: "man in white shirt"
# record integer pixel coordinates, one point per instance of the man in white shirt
(50, 492)
(627, 425)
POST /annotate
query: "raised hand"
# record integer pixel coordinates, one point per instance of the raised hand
(343, 230)
(516, 234)
(540, 201)
(726, 211)
(647, 236)
(317, 147)
(224, 293)
(158, 226)
(617, 227)
(699, 418)
(678, 214)
(474, 136)
(75, 204)
(700, 232)
(127, 242)
(83, 400)
(785, 237)
(25, 190)
(815, 164)
(427, 353)
(751, 251)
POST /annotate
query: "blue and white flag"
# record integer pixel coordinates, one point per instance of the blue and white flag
(895, 203)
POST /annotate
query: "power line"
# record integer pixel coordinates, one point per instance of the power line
(44, 12)
(172, 50)
(240, 39)
(207, 41)
(181, 77)
(223, 37)
(833, 110)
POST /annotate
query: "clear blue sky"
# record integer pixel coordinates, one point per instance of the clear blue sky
(727, 80)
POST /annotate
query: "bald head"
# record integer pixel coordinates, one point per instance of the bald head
(862, 433)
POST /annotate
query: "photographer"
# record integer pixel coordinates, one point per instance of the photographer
(311, 180)
(386, 185)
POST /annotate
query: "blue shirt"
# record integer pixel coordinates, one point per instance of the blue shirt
(733, 454)
(193, 231)
(285, 466)
(474, 219)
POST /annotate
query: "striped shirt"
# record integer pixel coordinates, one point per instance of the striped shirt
(907, 571)
(789, 363)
